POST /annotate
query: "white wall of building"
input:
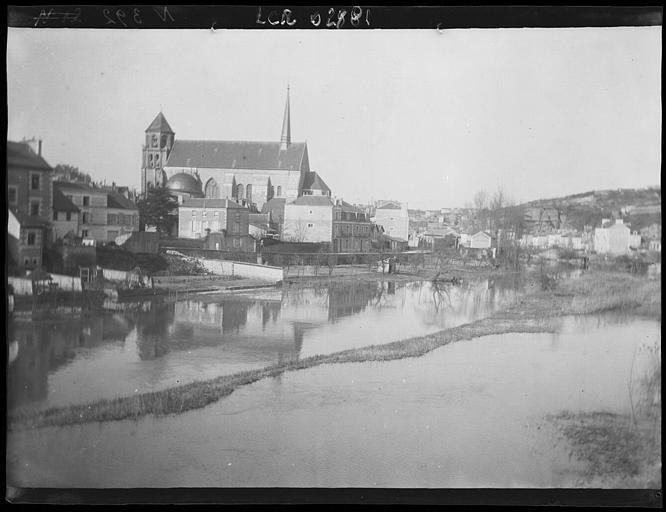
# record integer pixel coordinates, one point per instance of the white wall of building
(395, 222)
(307, 223)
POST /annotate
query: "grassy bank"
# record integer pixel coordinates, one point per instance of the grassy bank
(538, 311)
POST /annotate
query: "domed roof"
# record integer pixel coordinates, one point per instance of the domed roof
(184, 182)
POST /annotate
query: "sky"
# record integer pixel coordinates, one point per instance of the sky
(422, 116)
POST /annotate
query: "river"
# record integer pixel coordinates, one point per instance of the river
(156, 345)
(469, 414)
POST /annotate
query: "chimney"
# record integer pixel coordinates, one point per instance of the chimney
(39, 147)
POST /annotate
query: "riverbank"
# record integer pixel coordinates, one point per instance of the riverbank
(538, 311)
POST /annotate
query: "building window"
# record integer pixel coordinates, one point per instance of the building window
(248, 193)
(84, 218)
(84, 233)
(236, 227)
(279, 191)
(154, 141)
(34, 181)
(12, 194)
(310, 225)
(34, 208)
(31, 239)
(55, 215)
(68, 215)
(310, 212)
(86, 201)
(236, 242)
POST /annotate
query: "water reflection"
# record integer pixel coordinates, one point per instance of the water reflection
(151, 345)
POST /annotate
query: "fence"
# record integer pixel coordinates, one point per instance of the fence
(24, 286)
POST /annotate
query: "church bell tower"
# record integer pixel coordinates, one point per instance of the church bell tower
(156, 150)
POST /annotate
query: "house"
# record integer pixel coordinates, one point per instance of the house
(612, 240)
(441, 237)
(480, 240)
(394, 218)
(104, 215)
(65, 215)
(29, 198)
(308, 219)
(351, 229)
(223, 221)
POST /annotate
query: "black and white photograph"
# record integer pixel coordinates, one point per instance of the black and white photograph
(332, 257)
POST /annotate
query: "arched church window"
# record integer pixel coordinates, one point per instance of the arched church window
(248, 193)
(240, 190)
(212, 190)
(279, 191)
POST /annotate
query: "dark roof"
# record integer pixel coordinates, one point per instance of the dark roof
(184, 182)
(210, 203)
(117, 200)
(313, 201)
(349, 208)
(20, 154)
(159, 124)
(313, 181)
(62, 203)
(221, 154)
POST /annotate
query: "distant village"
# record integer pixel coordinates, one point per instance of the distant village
(247, 197)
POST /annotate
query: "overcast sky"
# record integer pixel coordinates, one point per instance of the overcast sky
(415, 115)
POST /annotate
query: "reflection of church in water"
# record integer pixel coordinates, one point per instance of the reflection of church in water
(248, 172)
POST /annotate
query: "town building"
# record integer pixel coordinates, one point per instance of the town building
(351, 229)
(394, 218)
(104, 215)
(480, 240)
(251, 173)
(308, 219)
(222, 219)
(65, 219)
(613, 239)
(30, 198)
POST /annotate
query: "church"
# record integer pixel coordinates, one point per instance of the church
(249, 172)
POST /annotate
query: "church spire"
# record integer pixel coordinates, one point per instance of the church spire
(285, 139)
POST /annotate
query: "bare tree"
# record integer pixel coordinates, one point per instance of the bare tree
(481, 200)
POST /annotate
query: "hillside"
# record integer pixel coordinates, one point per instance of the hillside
(638, 207)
